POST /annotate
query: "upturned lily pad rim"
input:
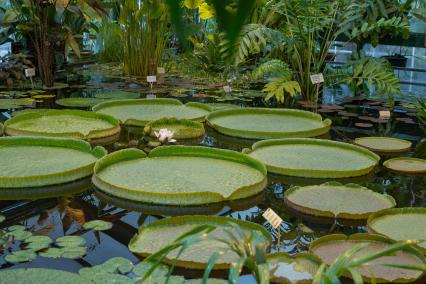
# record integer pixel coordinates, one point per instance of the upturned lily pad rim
(194, 129)
(252, 134)
(367, 238)
(395, 211)
(157, 101)
(283, 255)
(359, 141)
(178, 198)
(311, 173)
(173, 210)
(329, 214)
(94, 134)
(195, 219)
(55, 178)
(388, 165)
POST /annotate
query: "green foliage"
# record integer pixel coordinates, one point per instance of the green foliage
(97, 225)
(421, 113)
(110, 43)
(274, 67)
(282, 89)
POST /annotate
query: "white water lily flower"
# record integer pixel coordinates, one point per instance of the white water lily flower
(164, 135)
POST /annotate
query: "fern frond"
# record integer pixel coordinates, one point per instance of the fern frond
(272, 67)
(282, 89)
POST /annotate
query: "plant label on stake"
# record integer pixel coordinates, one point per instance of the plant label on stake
(151, 80)
(227, 89)
(384, 114)
(30, 73)
(273, 219)
(151, 96)
(317, 79)
(161, 70)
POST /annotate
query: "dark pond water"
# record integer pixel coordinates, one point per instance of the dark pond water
(64, 214)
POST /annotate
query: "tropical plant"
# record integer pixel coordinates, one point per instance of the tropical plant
(421, 113)
(12, 68)
(253, 253)
(49, 25)
(109, 41)
(145, 35)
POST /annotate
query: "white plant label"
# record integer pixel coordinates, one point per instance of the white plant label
(227, 89)
(384, 114)
(151, 96)
(151, 79)
(317, 78)
(161, 70)
(272, 218)
(30, 72)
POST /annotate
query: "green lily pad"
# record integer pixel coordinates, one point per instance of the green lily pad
(15, 103)
(16, 228)
(222, 106)
(64, 123)
(20, 256)
(141, 111)
(180, 175)
(58, 161)
(328, 248)
(73, 252)
(39, 276)
(19, 235)
(120, 264)
(70, 241)
(384, 145)
(51, 253)
(108, 278)
(142, 268)
(407, 166)
(97, 225)
(181, 128)
(28, 110)
(400, 224)
(288, 269)
(37, 243)
(117, 95)
(196, 256)
(335, 200)
(265, 123)
(314, 158)
(79, 102)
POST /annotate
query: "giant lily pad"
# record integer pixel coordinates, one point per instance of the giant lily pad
(39, 161)
(117, 95)
(314, 158)
(64, 189)
(78, 102)
(15, 103)
(384, 145)
(141, 111)
(407, 165)
(40, 276)
(181, 128)
(335, 200)
(265, 123)
(293, 270)
(328, 248)
(158, 234)
(95, 127)
(180, 175)
(400, 224)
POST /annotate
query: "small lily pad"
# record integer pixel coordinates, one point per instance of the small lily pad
(20, 256)
(407, 165)
(97, 225)
(40, 276)
(79, 102)
(384, 145)
(16, 228)
(39, 239)
(19, 235)
(108, 278)
(73, 252)
(120, 264)
(117, 95)
(335, 200)
(51, 253)
(70, 241)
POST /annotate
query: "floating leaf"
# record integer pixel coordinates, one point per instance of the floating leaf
(407, 166)
(216, 175)
(384, 145)
(314, 158)
(73, 252)
(79, 102)
(20, 256)
(141, 111)
(70, 241)
(16, 228)
(97, 225)
(120, 264)
(51, 253)
(19, 235)
(40, 276)
(265, 123)
(117, 95)
(77, 159)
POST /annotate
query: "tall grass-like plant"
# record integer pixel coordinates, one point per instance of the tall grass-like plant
(145, 35)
